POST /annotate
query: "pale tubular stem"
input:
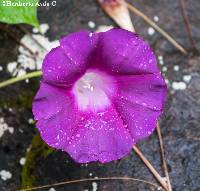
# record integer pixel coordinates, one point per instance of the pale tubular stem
(20, 78)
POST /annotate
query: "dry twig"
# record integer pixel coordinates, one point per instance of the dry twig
(91, 179)
(151, 168)
(165, 169)
(155, 26)
(187, 24)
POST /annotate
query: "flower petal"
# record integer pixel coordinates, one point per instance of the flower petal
(148, 90)
(124, 52)
(139, 101)
(54, 110)
(57, 130)
(78, 47)
(99, 137)
(140, 121)
(86, 136)
(50, 101)
(65, 64)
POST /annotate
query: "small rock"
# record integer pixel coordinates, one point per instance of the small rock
(156, 18)
(90, 174)
(52, 189)
(22, 161)
(4, 127)
(30, 121)
(160, 60)
(21, 72)
(94, 186)
(11, 67)
(179, 85)
(10, 109)
(187, 78)
(164, 69)
(91, 24)
(43, 28)
(151, 31)
(5, 175)
(176, 68)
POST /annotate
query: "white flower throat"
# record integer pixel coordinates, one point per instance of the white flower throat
(93, 90)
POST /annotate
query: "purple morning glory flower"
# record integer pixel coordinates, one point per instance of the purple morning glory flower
(100, 94)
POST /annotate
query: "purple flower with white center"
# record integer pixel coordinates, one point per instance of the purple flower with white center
(100, 94)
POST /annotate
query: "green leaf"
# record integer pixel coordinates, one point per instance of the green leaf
(19, 11)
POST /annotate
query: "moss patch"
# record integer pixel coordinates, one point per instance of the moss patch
(38, 149)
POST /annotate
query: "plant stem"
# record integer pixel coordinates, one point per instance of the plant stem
(20, 78)
(151, 168)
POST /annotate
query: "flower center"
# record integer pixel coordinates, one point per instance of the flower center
(93, 90)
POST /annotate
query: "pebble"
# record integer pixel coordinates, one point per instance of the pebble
(179, 85)
(30, 121)
(52, 189)
(21, 72)
(176, 68)
(160, 60)
(4, 127)
(22, 161)
(90, 174)
(156, 18)
(5, 175)
(94, 186)
(187, 78)
(164, 69)
(25, 60)
(11, 67)
(151, 31)
(91, 24)
(43, 28)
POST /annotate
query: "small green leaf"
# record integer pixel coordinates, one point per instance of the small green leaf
(19, 11)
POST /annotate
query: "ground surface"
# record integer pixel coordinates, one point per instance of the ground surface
(180, 122)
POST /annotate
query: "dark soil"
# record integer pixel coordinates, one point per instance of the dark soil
(180, 122)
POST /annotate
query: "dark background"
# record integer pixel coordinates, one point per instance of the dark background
(179, 124)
